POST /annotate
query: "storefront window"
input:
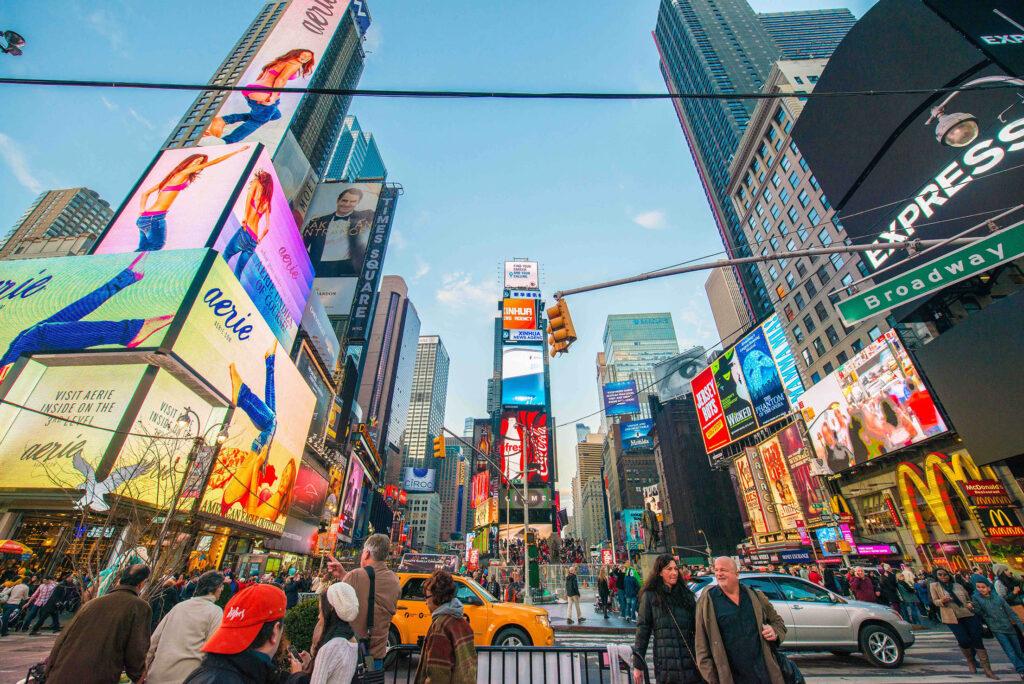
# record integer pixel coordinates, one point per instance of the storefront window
(875, 513)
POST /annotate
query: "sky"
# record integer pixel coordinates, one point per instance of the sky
(591, 190)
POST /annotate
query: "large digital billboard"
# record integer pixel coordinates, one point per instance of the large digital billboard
(321, 388)
(672, 377)
(419, 480)
(522, 274)
(872, 405)
(288, 58)
(352, 499)
(226, 342)
(752, 384)
(920, 164)
(524, 440)
(518, 314)
(310, 492)
(337, 227)
(636, 435)
(232, 201)
(299, 536)
(522, 376)
(780, 483)
(620, 398)
(320, 331)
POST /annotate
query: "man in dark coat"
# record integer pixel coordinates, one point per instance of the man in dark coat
(242, 649)
(108, 636)
(889, 589)
(337, 242)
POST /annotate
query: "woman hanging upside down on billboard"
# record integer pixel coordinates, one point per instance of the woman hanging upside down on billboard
(257, 215)
(263, 105)
(65, 331)
(245, 485)
(152, 221)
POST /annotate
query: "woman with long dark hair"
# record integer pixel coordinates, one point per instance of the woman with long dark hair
(255, 223)
(602, 589)
(667, 611)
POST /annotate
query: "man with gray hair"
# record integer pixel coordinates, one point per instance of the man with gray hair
(372, 568)
(174, 650)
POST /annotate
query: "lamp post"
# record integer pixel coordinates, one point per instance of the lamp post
(707, 546)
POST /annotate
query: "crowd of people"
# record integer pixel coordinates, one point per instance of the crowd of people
(215, 628)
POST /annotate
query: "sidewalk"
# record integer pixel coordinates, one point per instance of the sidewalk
(595, 622)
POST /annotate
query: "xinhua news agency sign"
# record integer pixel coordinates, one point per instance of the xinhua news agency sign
(966, 262)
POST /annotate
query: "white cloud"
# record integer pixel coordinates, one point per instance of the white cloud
(654, 219)
(108, 104)
(105, 24)
(458, 290)
(397, 239)
(422, 268)
(12, 155)
(141, 119)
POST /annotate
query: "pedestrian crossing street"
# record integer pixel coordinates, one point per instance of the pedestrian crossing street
(933, 659)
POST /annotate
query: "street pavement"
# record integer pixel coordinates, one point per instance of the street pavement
(19, 651)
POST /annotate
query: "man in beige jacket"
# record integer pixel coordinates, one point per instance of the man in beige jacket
(736, 629)
(174, 649)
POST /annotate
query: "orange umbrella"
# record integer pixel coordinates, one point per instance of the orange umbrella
(14, 547)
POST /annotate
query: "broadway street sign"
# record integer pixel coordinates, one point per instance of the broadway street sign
(961, 264)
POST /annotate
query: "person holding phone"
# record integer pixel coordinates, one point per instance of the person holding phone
(336, 651)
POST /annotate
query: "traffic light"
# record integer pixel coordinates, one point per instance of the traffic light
(439, 451)
(561, 332)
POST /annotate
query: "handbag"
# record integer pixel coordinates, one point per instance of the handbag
(791, 674)
(366, 667)
(986, 631)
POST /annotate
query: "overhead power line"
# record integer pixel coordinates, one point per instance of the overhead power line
(495, 94)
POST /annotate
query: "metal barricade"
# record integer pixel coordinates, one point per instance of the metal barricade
(533, 664)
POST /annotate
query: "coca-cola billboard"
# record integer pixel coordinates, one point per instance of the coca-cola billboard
(524, 440)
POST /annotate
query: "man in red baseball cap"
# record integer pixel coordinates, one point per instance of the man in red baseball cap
(242, 649)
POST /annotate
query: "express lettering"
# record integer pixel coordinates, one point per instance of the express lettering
(977, 160)
(224, 308)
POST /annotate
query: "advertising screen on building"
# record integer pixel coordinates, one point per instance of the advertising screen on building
(751, 385)
(652, 499)
(633, 527)
(419, 480)
(230, 200)
(335, 479)
(480, 489)
(522, 274)
(351, 500)
(872, 405)
(780, 484)
(636, 435)
(518, 314)
(522, 376)
(299, 536)
(320, 331)
(337, 227)
(620, 398)
(365, 298)
(336, 294)
(310, 492)
(673, 376)
(760, 523)
(534, 337)
(226, 342)
(321, 389)
(952, 159)
(524, 439)
(288, 58)
(834, 534)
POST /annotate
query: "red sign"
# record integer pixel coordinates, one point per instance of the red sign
(892, 511)
(606, 557)
(709, 411)
(403, 497)
(987, 493)
(479, 489)
(801, 528)
(519, 314)
(525, 432)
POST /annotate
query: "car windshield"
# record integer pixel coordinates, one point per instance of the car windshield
(480, 590)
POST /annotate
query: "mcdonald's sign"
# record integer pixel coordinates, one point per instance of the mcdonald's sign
(1000, 522)
(935, 482)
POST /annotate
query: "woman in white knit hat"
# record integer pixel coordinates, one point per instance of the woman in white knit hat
(337, 652)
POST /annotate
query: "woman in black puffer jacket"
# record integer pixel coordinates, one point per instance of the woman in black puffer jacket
(667, 610)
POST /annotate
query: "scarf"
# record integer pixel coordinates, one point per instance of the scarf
(952, 594)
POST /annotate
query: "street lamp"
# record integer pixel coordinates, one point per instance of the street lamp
(707, 546)
(12, 43)
(959, 129)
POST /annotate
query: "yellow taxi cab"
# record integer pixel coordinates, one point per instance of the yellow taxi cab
(494, 623)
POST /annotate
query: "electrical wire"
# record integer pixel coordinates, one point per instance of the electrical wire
(495, 94)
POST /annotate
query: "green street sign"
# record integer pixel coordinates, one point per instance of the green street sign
(963, 263)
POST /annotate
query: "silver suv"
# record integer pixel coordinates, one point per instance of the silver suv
(819, 620)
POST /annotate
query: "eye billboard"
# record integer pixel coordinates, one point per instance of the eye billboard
(289, 58)
(872, 405)
(230, 200)
(952, 159)
(752, 384)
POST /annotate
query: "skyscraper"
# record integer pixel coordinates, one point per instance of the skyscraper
(582, 430)
(356, 156)
(385, 386)
(723, 46)
(427, 404)
(633, 343)
(452, 487)
(71, 212)
(808, 34)
(731, 316)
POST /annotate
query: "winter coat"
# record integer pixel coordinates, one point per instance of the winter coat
(996, 612)
(449, 654)
(247, 667)
(863, 589)
(888, 589)
(673, 658)
(108, 636)
(572, 585)
(630, 586)
(951, 613)
(712, 658)
(174, 649)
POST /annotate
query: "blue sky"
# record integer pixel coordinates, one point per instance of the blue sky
(592, 190)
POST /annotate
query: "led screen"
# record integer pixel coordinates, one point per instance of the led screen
(873, 404)
(351, 499)
(620, 398)
(633, 526)
(636, 435)
(524, 440)
(522, 376)
(310, 492)
(519, 314)
(522, 274)
(337, 227)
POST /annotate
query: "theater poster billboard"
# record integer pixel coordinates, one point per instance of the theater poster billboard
(870, 406)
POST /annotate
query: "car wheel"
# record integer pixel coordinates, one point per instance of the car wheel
(512, 636)
(393, 640)
(881, 646)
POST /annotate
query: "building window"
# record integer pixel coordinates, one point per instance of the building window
(857, 345)
(784, 196)
(759, 208)
(809, 323)
(842, 357)
(776, 180)
(803, 198)
(862, 268)
(791, 213)
(802, 233)
(774, 242)
(780, 116)
(767, 194)
(823, 274)
(811, 289)
(773, 272)
(825, 238)
(808, 359)
(815, 377)
(837, 260)
(798, 334)
(831, 334)
(783, 228)
(784, 163)
(818, 346)
(828, 367)
(801, 270)
(874, 333)
(798, 299)
(803, 164)
(775, 210)
(821, 312)
(847, 279)
(790, 280)
(758, 238)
